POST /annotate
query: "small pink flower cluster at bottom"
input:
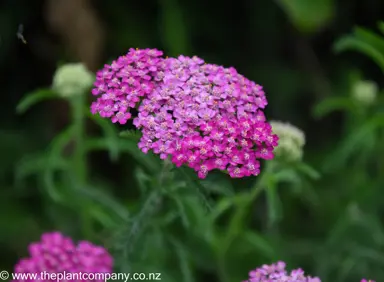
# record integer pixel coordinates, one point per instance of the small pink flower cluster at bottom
(276, 272)
(56, 253)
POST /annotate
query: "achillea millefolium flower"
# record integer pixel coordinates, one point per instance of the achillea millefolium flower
(56, 253)
(202, 115)
(277, 273)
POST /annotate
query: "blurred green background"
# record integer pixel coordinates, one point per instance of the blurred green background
(332, 226)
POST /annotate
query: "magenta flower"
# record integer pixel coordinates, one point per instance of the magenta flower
(365, 280)
(276, 272)
(200, 115)
(56, 253)
(206, 117)
(121, 85)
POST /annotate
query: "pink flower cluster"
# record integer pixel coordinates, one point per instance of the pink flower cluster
(277, 272)
(204, 116)
(56, 253)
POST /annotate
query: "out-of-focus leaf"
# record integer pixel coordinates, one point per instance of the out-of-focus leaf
(181, 211)
(218, 184)
(173, 28)
(334, 104)
(354, 142)
(308, 170)
(356, 44)
(36, 163)
(259, 243)
(133, 135)
(147, 160)
(275, 210)
(184, 260)
(55, 153)
(103, 199)
(380, 25)
(309, 16)
(288, 175)
(371, 38)
(193, 182)
(143, 180)
(110, 135)
(33, 98)
(221, 207)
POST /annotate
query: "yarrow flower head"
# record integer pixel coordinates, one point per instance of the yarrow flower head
(291, 141)
(365, 280)
(202, 115)
(72, 79)
(56, 253)
(122, 85)
(277, 273)
(365, 92)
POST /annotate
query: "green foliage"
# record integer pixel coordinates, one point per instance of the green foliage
(91, 181)
(309, 16)
(366, 42)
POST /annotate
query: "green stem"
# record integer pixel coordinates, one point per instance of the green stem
(79, 156)
(78, 119)
(236, 222)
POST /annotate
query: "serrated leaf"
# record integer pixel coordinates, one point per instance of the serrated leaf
(334, 104)
(33, 98)
(352, 43)
(110, 135)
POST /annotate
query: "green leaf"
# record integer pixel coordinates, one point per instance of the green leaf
(194, 183)
(334, 104)
(308, 170)
(183, 259)
(356, 44)
(360, 138)
(308, 16)
(221, 207)
(110, 135)
(259, 243)
(380, 25)
(149, 161)
(35, 164)
(275, 210)
(132, 134)
(371, 38)
(103, 199)
(34, 98)
(54, 155)
(218, 184)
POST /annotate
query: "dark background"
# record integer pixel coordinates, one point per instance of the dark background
(293, 60)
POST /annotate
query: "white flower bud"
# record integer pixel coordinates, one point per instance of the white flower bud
(72, 79)
(291, 141)
(365, 92)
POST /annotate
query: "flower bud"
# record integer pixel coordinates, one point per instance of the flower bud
(365, 92)
(72, 79)
(291, 141)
